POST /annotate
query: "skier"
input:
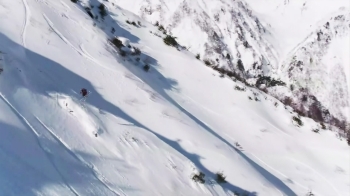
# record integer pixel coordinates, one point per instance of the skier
(84, 92)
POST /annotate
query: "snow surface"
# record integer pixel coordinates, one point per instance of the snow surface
(265, 35)
(154, 129)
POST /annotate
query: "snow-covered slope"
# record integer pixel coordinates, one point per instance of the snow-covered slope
(140, 133)
(264, 35)
(321, 64)
(221, 31)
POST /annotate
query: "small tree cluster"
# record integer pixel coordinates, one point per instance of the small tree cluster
(88, 11)
(170, 41)
(198, 56)
(268, 81)
(240, 88)
(240, 65)
(162, 29)
(132, 23)
(136, 51)
(199, 177)
(220, 178)
(207, 62)
(74, 1)
(298, 121)
(115, 41)
(103, 11)
(146, 67)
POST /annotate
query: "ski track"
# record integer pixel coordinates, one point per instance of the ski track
(325, 179)
(27, 15)
(218, 114)
(65, 5)
(231, 138)
(36, 136)
(78, 158)
(275, 170)
(74, 48)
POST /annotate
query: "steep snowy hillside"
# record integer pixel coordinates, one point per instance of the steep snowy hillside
(291, 21)
(141, 131)
(221, 31)
(320, 65)
(253, 38)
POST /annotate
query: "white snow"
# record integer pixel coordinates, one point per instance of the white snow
(154, 129)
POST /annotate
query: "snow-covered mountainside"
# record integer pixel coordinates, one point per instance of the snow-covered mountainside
(255, 38)
(320, 65)
(155, 116)
(220, 31)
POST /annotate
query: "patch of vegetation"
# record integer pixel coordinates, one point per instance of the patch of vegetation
(250, 98)
(268, 81)
(88, 11)
(291, 87)
(276, 104)
(136, 51)
(113, 30)
(170, 41)
(74, 1)
(316, 130)
(220, 178)
(103, 11)
(207, 62)
(310, 194)
(240, 65)
(297, 121)
(199, 177)
(239, 88)
(161, 28)
(246, 44)
(146, 67)
(287, 101)
(115, 41)
(198, 56)
(132, 23)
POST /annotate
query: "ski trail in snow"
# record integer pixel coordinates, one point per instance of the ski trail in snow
(275, 170)
(27, 15)
(36, 136)
(325, 179)
(218, 114)
(65, 5)
(82, 53)
(78, 158)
